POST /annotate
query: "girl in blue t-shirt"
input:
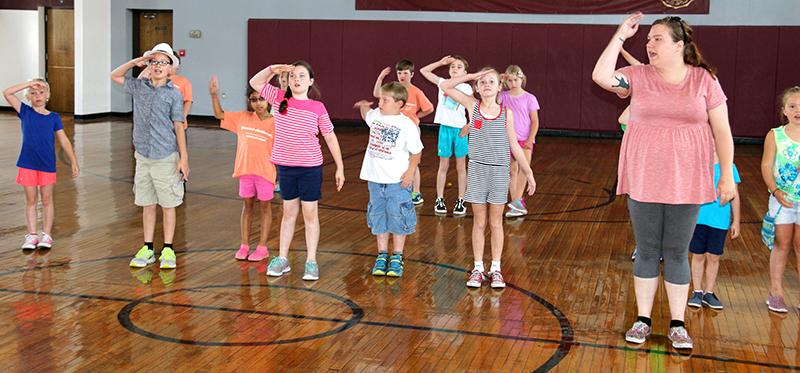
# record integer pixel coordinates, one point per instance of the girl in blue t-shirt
(37, 158)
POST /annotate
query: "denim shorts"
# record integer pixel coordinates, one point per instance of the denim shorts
(390, 209)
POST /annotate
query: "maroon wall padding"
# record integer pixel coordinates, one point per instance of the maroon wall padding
(541, 6)
(754, 63)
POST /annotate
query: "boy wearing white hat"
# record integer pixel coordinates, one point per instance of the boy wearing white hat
(162, 161)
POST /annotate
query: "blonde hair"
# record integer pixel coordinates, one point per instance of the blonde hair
(514, 70)
(43, 82)
(785, 97)
(396, 90)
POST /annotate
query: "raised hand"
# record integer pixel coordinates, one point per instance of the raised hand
(630, 25)
(213, 85)
(385, 72)
(446, 60)
(362, 103)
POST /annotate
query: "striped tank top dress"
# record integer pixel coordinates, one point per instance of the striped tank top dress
(489, 158)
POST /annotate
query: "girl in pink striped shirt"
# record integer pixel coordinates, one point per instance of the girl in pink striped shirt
(297, 153)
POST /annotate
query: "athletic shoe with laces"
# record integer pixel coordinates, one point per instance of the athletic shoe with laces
(439, 207)
(278, 266)
(416, 198)
(476, 278)
(395, 266)
(711, 301)
(496, 280)
(311, 272)
(511, 213)
(696, 299)
(776, 304)
(459, 209)
(168, 259)
(45, 241)
(241, 254)
(381, 263)
(638, 333)
(679, 337)
(31, 240)
(143, 257)
(518, 205)
(259, 255)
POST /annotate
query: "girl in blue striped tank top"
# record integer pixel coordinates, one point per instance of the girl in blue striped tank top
(492, 138)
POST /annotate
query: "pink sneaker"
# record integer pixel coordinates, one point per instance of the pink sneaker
(45, 242)
(31, 240)
(243, 251)
(259, 255)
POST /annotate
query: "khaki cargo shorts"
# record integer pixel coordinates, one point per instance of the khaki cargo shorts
(157, 181)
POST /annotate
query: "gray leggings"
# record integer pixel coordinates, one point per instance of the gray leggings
(663, 230)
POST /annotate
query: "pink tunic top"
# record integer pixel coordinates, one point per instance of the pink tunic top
(667, 153)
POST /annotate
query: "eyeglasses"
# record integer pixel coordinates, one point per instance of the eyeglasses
(680, 22)
(254, 100)
(159, 63)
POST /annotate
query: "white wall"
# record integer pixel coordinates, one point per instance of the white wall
(19, 43)
(222, 50)
(92, 56)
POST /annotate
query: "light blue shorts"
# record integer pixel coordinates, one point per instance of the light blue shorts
(450, 143)
(390, 209)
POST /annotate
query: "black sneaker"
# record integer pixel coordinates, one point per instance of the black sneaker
(439, 207)
(459, 208)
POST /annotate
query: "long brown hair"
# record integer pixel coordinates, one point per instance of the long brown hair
(681, 31)
(313, 89)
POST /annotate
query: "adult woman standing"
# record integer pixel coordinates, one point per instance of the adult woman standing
(678, 115)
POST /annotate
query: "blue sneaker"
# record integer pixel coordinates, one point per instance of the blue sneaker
(711, 301)
(696, 300)
(312, 272)
(380, 264)
(395, 266)
(278, 266)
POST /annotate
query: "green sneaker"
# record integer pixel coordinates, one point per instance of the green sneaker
(143, 257)
(312, 272)
(380, 264)
(395, 266)
(167, 258)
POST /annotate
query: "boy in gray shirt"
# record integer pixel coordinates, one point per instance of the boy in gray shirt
(162, 161)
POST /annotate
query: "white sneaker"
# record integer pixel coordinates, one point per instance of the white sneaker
(31, 240)
(46, 241)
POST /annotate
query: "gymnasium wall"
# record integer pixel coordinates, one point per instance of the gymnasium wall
(558, 60)
(19, 39)
(223, 48)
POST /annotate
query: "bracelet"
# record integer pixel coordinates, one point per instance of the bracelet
(621, 39)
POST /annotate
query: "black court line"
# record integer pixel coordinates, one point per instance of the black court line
(565, 344)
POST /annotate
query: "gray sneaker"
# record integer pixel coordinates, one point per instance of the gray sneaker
(312, 272)
(696, 301)
(278, 266)
(679, 337)
(637, 333)
(711, 301)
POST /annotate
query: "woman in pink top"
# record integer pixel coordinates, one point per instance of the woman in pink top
(678, 114)
(298, 122)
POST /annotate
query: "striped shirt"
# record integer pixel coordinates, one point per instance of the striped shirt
(488, 139)
(296, 142)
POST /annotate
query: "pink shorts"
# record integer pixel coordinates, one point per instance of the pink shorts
(251, 186)
(522, 145)
(28, 177)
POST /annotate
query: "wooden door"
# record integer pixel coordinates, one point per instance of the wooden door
(60, 58)
(150, 27)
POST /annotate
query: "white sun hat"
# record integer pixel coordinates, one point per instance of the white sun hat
(164, 48)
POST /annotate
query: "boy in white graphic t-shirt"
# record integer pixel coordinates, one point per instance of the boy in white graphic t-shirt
(392, 155)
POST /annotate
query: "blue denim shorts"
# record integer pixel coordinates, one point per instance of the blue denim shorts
(390, 209)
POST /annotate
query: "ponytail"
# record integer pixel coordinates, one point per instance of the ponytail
(692, 56)
(285, 103)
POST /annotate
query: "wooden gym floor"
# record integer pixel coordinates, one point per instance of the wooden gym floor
(79, 307)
